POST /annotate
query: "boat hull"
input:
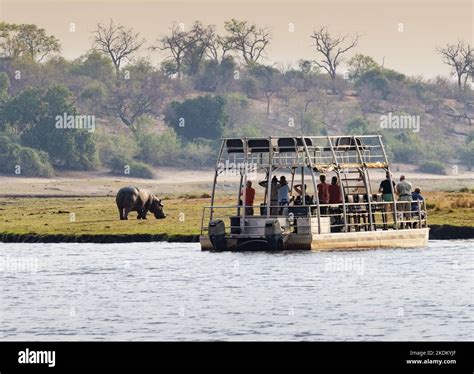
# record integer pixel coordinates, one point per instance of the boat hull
(342, 241)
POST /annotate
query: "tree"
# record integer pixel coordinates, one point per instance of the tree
(202, 117)
(22, 111)
(359, 64)
(117, 42)
(460, 57)
(304, 106)
(188, 48)
(331, 50)
(72, 148)
(269, 82)
(26, 41)
(94, 65)
(249, 40)
(141, 94)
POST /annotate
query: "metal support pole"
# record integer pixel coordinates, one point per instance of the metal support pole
(395, 218)
(314, 184)
(341, 186)
(269, 184)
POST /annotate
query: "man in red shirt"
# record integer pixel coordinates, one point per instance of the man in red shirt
(249, 198)
(334, 192)
(323, 193)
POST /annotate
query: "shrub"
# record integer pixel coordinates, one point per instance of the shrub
(433, 167)
(159, 149)
(111, 146)
(358, 126)
(31, 162)
(130, 168)
(466, 155)
(201, 117)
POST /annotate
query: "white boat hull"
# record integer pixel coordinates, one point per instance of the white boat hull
(344, 241)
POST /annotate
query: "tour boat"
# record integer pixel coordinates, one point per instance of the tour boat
(360, 220)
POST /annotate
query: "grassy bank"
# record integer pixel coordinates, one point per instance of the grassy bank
(64, 219)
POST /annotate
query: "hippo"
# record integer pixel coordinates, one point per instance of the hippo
(134, 199)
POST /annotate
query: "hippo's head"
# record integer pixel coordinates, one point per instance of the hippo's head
(157, 208)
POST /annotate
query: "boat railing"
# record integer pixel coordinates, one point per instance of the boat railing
(342, 150)
(361, 216)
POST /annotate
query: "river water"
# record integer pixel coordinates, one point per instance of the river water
(164, 291)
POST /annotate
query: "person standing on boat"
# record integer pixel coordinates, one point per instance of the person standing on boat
(323, 193)
(273, 194)
(415, 196)
(283, 195)
(387, 196)
(334, 190)
(249, 198)
(404, 195)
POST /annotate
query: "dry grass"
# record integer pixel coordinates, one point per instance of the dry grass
(99, 215)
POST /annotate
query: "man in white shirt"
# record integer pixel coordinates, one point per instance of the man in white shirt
(404, 195)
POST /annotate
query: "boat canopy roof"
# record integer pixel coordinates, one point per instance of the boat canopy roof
(343, 150)
(294, 144)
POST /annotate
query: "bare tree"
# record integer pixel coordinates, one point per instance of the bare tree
(137, 97)
(331, 49)
(249, 40)
(187, 48)
(460, 57)
(118, 42)
(217, 48)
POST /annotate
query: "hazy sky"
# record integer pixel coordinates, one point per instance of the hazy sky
(426, 24)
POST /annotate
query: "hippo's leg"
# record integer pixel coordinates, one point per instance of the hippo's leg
(125, 214)
(120, 213)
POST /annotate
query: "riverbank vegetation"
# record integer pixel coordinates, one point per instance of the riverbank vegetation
(124, 113)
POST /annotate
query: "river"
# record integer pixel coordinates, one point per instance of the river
(172, 291)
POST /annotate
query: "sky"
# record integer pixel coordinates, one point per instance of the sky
(403, 34)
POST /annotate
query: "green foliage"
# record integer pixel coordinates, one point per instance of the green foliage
(26, 42)
(202, 117)
(466, 155)
(161, 149)
(376, 80)
(404, 147)
(23, 110)
(360, 64)
(94, 65)
(4, 86)
(358, 126)
(128, 168)
(250, 87)
(23, 161)
(250, 131)
(110, 146)
(67, 148)
(433, 167)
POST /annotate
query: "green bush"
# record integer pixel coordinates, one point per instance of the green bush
(23, 161)
(111, 146)
(466, 155)
(201, 117)
(161, 149)
(130, 168)
(358, 126)
(433, 167)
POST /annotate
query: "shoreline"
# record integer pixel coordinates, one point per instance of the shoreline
(437, 232)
